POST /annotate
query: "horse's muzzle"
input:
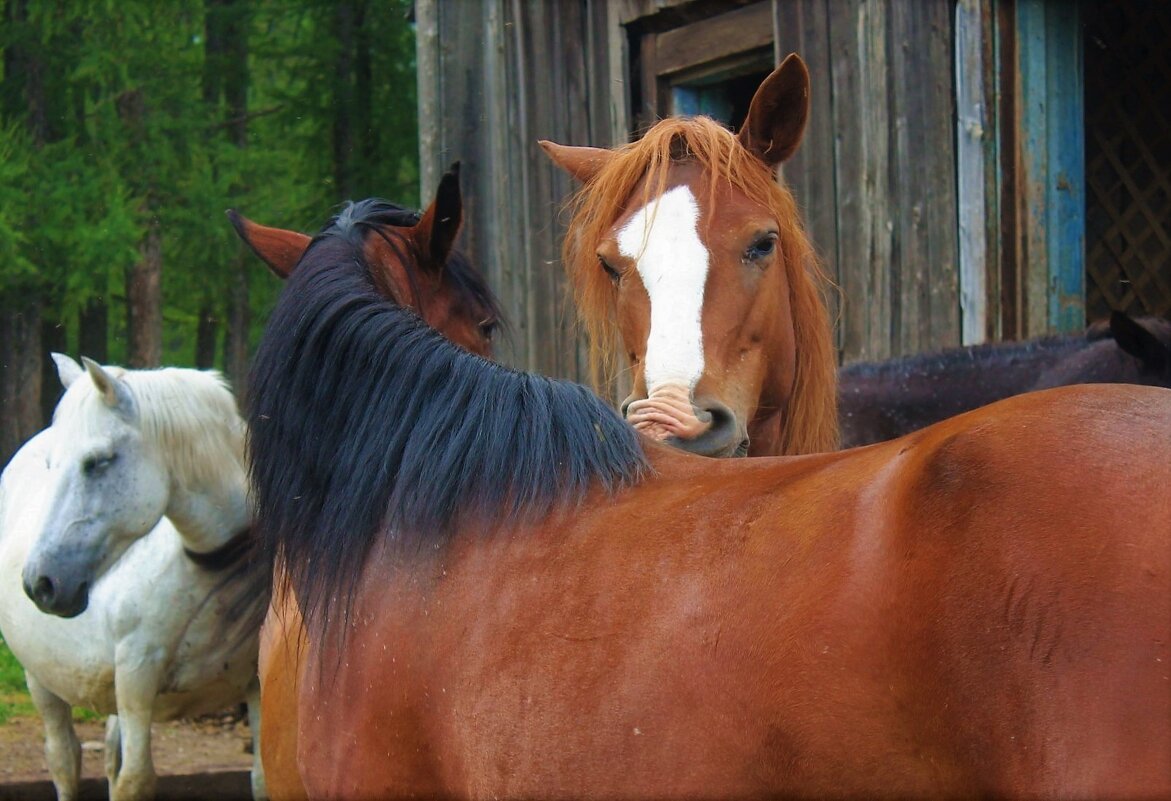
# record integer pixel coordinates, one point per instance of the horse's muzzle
(698, 425)
(55, 596)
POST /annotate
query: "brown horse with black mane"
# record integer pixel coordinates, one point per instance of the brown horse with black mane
(411, 260)
(510, 593)
(686, 253)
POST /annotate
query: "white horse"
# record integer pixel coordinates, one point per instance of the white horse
(139, 615)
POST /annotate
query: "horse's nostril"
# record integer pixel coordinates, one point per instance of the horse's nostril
(43, 590)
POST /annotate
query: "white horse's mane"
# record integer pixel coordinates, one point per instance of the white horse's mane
(191, 415)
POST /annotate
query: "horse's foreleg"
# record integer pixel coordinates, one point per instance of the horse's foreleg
(135, 689)
(259, 791)
(113, 749)
(62, 750)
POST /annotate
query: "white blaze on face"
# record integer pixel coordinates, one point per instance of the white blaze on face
(672, 262)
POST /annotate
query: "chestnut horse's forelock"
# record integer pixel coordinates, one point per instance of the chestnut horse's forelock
(811, 419)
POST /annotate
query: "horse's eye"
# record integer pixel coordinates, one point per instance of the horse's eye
(95, 465)
(762, 247)
(615, 276)
(488, 328)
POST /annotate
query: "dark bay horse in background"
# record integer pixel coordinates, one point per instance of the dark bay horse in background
(686, 254)
(511, 593)
(884, 400)
(412, 260)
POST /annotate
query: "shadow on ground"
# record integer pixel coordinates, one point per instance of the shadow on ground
(221, 786)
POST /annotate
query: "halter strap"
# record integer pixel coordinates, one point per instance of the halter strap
(224, 556)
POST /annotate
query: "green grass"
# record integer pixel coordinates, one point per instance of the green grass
(14, 698)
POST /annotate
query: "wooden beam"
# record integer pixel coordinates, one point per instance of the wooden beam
(720, 37)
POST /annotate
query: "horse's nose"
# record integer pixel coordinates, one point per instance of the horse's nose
(725, 436)
(53, 597)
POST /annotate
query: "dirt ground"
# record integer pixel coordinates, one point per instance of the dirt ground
(210, 745)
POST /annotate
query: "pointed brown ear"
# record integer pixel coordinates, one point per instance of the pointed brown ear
(583, 163)
(778, 113)
(279, 249)
(440, 223)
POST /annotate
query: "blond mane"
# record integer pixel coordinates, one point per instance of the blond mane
(190, 415)
(811, 420)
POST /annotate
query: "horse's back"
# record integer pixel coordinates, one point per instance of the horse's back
(1037, 535)
(979, 608)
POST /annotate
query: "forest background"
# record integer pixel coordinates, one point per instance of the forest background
(128, 127)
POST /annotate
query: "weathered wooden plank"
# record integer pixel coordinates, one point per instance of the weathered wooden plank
(430, 95)
(1066, 186)
(715, 38)
(972, 131)
(617, 50)
(1052, 158)
(1010, 217)
(859, 66)
(802, 27)
(922, 189)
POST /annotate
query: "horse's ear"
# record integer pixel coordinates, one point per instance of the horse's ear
(113, 390)
(276, 247)
(67, 369)
(778, 113)
(1134, 338)
(583, 163)
(440, 222)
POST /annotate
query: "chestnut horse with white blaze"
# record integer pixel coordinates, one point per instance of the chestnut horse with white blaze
(509, 592)
(412, 260)
(686, 253)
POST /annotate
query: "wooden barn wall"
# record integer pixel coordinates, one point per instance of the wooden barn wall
(495, 76)
(876, 173)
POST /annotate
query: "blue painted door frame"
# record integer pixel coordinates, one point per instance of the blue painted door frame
(1052, 142)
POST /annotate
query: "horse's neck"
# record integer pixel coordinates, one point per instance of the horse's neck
(208, 517)
(764, 434)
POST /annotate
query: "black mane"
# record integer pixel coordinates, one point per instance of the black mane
(365, 423)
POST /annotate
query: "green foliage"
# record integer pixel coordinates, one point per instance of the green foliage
(140, 128)
(15, 266)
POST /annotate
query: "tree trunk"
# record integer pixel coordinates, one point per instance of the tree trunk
(365, 131)
(144, 285)
(239, 322)
(343, 99)
(20, 371)
(92, 331)
(144, 302)
(52, 341)
(205, 338)
(235, 76)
